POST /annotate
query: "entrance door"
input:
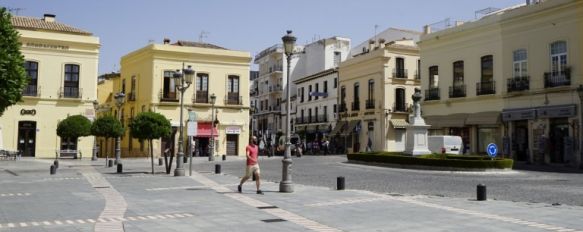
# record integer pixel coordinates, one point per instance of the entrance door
(202, 146)
(559, 132)
(27, 137)
(520, 140)
(232, 144)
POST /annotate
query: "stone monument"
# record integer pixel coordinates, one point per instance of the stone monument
(417, 143)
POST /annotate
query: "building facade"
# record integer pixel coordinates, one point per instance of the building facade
(61, 62)
(509, 78)
(148, 83)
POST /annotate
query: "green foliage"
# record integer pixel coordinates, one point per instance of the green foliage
(13, 78)
(433, 160)
(74, 127)
(108, 127)
(150, 125)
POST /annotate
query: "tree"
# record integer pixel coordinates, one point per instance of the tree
(150, 126)
(107, 127)
(13, 78)
(74, 127)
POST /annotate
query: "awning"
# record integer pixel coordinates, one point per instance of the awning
(311, 128)
(338, 128)
(350, 128)
(204, 130)
(484, 118)
(324, 128)
(441, 121)
(399, 123)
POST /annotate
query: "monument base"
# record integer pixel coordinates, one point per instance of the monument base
(417, 142)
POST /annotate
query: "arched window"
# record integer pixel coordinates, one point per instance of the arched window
(558, 56)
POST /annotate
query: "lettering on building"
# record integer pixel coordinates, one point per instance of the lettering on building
(47, 46)
(28, 112)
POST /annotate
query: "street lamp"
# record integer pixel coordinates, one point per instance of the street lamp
(119, 101)
(95, 107)
(580, 92)
(286, 185)
(211, 146)
(184, 75)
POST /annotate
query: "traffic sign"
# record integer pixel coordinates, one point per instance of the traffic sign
(191, 128)
(492, 150)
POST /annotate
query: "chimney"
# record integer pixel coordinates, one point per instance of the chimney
(427, 29)
(371, 45)
(459, 23)
(49, 18)
(166, 41)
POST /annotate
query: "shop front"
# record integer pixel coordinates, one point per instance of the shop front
(232, 133)
(203, 138)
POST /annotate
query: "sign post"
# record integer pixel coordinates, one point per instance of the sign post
(192, 129)
(492, 150)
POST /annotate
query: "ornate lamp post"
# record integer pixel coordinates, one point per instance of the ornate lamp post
(286, 185)
(183, 76)
(212, 145)
(580, 92)
(95, 107)
(120, 99)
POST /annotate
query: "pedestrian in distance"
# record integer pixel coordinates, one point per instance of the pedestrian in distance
(252, 165)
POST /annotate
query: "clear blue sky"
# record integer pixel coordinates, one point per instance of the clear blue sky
(249, 25)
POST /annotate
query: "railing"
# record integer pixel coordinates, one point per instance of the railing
(300, 121)
(355, 106)
(486, 87)
(70, 92)
(555, 79)
(417, 76)
(233, 99)
(275, 108)
(369, 104)
(457, 91)
(275, 88)
(342, 107)
(400, 73)
(400, 107)
(200, 97)
(516, 84)
(321, 118)
(132, 96)
(31, 90)
(432, 94)
(167, 96)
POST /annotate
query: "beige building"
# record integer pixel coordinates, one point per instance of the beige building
(61, 62)
(146, 79)
(523, 66)
(375, 89)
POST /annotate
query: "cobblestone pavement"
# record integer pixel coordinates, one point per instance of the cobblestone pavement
(71, 200)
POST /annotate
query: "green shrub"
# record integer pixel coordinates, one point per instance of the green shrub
(434, 160)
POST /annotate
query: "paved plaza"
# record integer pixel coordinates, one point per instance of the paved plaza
(87, 196)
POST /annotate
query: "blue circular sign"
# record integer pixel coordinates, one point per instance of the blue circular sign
(492, 150)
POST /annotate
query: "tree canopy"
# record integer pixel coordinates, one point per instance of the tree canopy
(13, 77)
(108, 127)
(74, 127)
(150, 125)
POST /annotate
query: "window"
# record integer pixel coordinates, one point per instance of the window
(519, 63)
(400, 71)
(418, 70)
(558, 57)
(233, 90)
(458, 73)
(169, 89)
(310, 115)
(316, 115)
(356, 97)
(342, 98)
(400, 105)
(143, 108)
(123, 86)
(325, 114)
(371, 89)
(337, 58)
(487, 68)
(309, 92)
(201, 87)
(335, 110)
(31, 69)
(335, 82)
(71, 88)
(133, 84)
(433, 77)
(317, 90)
(302, 114)
(326, 87)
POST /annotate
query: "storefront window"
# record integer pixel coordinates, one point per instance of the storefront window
(485, 137)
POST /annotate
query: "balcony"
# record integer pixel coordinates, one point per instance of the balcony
(369, 104)
(321, 118)
(275, 88)
(556, 79)
(400, 73)
(167, 96)
(401, 107)
(201, 97)
(233, 99)
(31, 91)
(517, 84)
(275, 108)
(417, 76)
(432, 94)
(132, 96)
(355, 106)
(456, 91)
(342, 107)
(300, 121)
(70, 92)
(485, 88)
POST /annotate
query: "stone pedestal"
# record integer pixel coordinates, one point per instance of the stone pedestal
(417, 142)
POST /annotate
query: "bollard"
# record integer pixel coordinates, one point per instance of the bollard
(217, 169)
(224, 157)
(340, 183)
(254, 178)
(119, 168)
(481, 192)
(53, 170)
(110, 164)
(56, 163)
(160, 161)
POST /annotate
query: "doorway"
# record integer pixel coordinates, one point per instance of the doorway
(520, 140)
(27, 138)
(232, 144)
(202, 146)
(559, 132)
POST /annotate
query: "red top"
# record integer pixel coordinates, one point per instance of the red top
(252, 151)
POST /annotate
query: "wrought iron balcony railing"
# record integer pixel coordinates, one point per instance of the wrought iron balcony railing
(517, 84)
(70, 92)
(31, 91)
(485, 88)
(456, 91)
(432, 94)
(369, 104)
(560, 78)
(400, 73)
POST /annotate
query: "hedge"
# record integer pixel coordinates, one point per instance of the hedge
(433, 160)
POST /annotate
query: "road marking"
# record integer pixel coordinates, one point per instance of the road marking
(186, 187)
(93, 221)
(14, 194)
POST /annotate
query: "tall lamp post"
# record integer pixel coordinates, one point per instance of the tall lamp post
(183, 76)
(580, 92)
(212, 140)
(120, 99)
(286, 185)
(95, 107)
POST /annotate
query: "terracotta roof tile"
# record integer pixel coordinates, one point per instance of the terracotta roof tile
(29, 23)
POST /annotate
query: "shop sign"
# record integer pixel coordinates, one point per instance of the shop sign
(233, 130)
(515, 115)
(557, 112)
(28, 112)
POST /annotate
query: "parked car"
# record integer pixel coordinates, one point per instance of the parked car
(452, 144)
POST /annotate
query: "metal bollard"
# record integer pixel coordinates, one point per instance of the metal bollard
(53, 170)
(224, 157)
(119, 168)
(110, 164)
(217, 169)
(160, 161)
(56, 163)
(340, 183)
(481, 192)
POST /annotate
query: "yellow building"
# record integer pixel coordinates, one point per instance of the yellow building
(523, 66)
(61, 62)
(146, 79)
(375, 96)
